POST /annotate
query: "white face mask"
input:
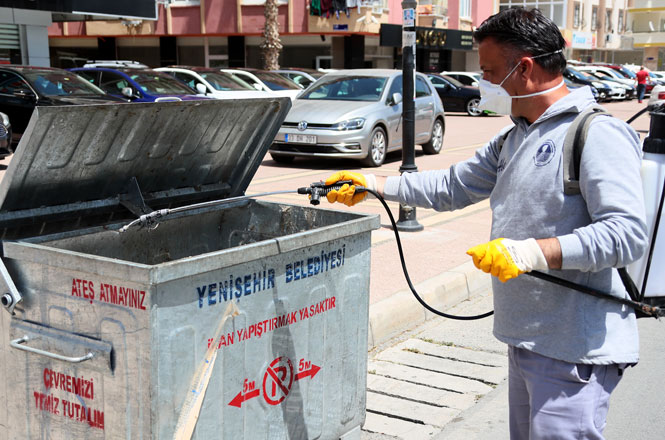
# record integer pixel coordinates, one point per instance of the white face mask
(494, 98)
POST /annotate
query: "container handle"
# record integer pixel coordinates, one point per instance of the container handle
(18, 344)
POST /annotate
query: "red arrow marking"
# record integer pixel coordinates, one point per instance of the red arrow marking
(240, 398)
(311, 372)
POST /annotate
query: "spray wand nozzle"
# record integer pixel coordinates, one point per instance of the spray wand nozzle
(318, 189)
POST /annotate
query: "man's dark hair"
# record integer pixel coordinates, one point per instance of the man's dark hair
(526, 31)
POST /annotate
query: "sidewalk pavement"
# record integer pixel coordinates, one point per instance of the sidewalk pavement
(436, 259)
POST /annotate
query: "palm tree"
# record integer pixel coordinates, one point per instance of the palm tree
(271, 46)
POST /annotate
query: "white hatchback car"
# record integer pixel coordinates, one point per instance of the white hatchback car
(267, 81)
(466, 78)
(213, 83)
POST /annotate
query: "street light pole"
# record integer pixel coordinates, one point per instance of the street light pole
(407, 214)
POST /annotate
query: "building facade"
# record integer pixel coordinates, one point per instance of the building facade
(595, 30)
(228, 33)
(646, 24)
(24, 36)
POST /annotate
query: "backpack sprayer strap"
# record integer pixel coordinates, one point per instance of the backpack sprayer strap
(573, 145)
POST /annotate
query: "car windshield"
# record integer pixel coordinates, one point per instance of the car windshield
(155, 83)
(345, 88)
(577, 74)
(603, 75)
(452, 80)
(224, 82)
(275, 81)
(627, 73)
(614, 74)
(54, 83)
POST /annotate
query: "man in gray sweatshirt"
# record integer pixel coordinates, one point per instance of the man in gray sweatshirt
(566, 350)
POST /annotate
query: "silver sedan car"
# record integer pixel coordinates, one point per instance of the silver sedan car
(358, 114)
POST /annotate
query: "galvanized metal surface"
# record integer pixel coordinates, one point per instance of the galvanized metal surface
(76, 161)
(291, 365)
(112, 327)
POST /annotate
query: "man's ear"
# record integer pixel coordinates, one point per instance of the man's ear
(525, 70)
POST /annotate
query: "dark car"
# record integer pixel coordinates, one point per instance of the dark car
(138, 85)
(573, 85)
(22, 88)
(579, 78)
(456, 96)
(5, 136)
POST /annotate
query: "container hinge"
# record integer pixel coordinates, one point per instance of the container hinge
(10, 294)
(133, 199)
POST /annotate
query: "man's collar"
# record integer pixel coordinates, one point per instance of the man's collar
(574, 102)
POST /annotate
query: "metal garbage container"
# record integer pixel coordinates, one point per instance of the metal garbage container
(114, 328)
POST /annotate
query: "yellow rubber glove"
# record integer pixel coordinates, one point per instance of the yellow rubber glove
(508, 259)
(347, 193)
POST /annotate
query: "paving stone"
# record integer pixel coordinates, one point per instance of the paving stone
(422, 393)
(411, 411)
(396, 428)
(490, 375)
(430, 378)
(436, 348)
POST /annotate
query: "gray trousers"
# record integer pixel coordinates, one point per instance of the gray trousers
(552, 399)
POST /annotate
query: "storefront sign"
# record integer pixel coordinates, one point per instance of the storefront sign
(583, 40)
(427, 38)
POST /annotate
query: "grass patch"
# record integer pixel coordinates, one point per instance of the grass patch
(443, 343)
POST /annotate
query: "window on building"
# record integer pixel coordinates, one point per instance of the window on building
(576, 16)
(620, 22)
(552, 9)
(465, 8)
(594, 18)
(608, 20)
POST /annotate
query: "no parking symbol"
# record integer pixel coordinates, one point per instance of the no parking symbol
(277, 380)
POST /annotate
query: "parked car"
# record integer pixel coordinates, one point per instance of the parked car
(466, 78)
(24, 87)
(122, 64)
(608, 73)
(302, 77)
(213, 83)
(573, 85)
(138, 85)
(267, 81)
(6, 144)
(627, 73)
(358, 114)
(456, 96)
(579, 78)
(630, 91)
(657, 97)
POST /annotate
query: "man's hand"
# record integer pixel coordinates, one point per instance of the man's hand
(507, 259)
(347, 193)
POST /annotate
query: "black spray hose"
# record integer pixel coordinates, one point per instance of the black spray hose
(648, 309)
(637, 115)
(406, 272)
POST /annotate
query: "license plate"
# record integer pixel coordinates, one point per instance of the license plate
(300, 138)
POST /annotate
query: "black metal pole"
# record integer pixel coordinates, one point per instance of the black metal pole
(407, 214)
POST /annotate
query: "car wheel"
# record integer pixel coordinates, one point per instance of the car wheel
(281, 159)
(472, 107)
(435, 143)
(376, 153)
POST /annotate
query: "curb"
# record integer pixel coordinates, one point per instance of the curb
(401, 311)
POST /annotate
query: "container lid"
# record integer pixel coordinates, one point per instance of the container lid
(77, 162)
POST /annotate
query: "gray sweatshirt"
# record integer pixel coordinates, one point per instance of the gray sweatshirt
(600, 229)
